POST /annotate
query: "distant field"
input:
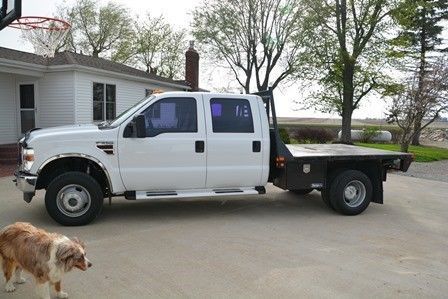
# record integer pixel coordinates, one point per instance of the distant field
(334, 122)
(422, 153)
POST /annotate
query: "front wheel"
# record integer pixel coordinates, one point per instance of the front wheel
(74, 198)
(350, 192)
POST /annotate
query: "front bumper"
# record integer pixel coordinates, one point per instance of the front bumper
(26, 183)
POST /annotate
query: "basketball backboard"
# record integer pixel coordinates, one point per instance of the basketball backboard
(10, 10)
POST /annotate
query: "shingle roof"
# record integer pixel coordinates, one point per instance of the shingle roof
(71, 58)
(22, 56)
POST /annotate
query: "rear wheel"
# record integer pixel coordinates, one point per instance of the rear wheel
(325, 193)
(326, 198)
(74, 198)
(350, 192)
(302, 191)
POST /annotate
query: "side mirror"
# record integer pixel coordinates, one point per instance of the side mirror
(129, 130)
(140, 125)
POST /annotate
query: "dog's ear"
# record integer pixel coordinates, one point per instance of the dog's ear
(78, 241)
(65, 255)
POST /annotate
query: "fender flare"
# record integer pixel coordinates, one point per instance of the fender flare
(77, 155)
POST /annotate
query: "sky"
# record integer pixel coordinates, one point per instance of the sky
(178, 13)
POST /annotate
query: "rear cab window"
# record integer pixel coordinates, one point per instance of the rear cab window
(231, 115)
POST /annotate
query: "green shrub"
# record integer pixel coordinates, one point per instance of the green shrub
(284, 135)
(314, 135)
(369, 133)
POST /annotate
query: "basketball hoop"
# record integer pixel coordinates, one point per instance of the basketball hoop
(44, 33)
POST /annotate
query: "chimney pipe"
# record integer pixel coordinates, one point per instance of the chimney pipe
(192, 67)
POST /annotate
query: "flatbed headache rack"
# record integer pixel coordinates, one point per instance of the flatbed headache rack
(280, 154)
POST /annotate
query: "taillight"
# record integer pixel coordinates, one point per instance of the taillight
(280, 162)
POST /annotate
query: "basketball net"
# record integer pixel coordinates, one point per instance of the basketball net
(46, 34)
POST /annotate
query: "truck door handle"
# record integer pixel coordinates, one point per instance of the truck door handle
(199, 146)
(256, 146)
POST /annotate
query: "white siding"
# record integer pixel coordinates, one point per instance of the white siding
(56, 99)
(62, 98)
(8, 109)
(128, 93)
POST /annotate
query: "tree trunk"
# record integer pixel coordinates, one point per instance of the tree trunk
(95, 53)
(405, 139)
(347, 104)
(404, 146)
(247, 83)
(417, 126)
(421, 81)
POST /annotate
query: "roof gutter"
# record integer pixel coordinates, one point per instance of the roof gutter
(25, 66)
(91, 70)
(22, 68)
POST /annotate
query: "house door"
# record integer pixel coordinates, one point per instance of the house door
(27, 107)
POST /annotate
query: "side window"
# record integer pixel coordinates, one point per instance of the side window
(171, 115)
(231, 116)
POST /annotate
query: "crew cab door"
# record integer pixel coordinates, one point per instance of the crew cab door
(234, 141)
(172, 155)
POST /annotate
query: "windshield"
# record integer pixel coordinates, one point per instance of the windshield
(127, 113)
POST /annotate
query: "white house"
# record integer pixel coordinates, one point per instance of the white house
(73, 89)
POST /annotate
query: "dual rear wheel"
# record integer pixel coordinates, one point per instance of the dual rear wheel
(349, 192)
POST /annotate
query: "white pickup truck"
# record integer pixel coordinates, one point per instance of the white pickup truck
(183, 144)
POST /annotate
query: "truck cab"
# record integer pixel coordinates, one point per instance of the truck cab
(195, 141)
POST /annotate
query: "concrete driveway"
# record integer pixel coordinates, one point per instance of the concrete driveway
(277, 245)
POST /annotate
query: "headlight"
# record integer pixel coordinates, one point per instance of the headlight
(27, 158)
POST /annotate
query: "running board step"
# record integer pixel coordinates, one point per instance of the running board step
(191, 193)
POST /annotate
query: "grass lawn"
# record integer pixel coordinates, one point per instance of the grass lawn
(422, 153)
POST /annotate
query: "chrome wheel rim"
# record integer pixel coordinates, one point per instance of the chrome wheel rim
(354, 193)
(73, 200)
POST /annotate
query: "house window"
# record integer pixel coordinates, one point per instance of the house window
(231, 116)
(148, 92)
(104, 101)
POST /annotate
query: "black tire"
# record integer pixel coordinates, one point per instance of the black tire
(325, 193)
(361, 188)
(302, 191)
(87, 185)
(326, 198)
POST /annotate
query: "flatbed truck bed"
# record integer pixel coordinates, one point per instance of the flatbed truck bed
(349, 177)
(341, 152)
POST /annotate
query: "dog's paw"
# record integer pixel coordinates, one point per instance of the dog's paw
(9, 288)
(62, 295)
(20, 280)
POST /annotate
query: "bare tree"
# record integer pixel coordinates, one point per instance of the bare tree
(429, 95)
(158, 47)
(96, 29)
(256, 38)
(420, 28)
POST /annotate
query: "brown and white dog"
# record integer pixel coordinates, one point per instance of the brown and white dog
(47, 256)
